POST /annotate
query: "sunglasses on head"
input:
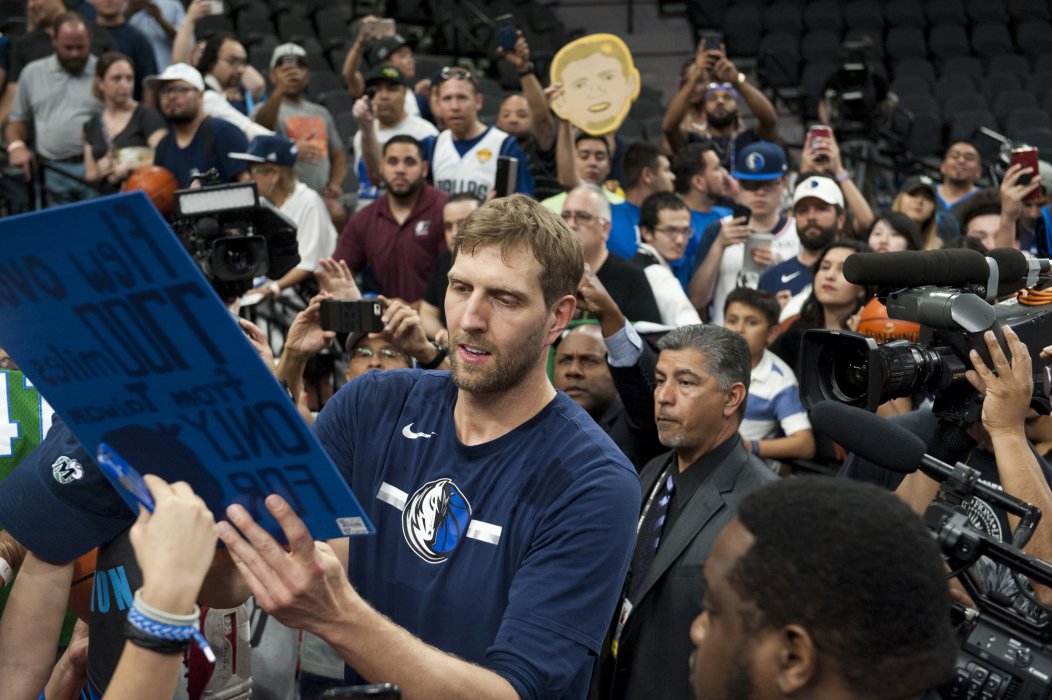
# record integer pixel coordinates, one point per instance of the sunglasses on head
(450, 72)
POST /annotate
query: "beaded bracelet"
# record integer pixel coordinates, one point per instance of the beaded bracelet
(171, 632)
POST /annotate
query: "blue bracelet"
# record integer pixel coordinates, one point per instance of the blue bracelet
(755, 444)
(171, 633)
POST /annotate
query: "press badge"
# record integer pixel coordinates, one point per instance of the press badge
(626, 609)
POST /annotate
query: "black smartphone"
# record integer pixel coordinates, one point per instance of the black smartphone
(345, 316)
(507, 32)
(507, 175)
(713, 39)
(737, 212)
(382, 691)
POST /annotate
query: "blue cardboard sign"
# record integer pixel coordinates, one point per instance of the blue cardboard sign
(111, 319)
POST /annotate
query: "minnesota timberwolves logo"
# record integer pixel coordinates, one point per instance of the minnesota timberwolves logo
(435, 519)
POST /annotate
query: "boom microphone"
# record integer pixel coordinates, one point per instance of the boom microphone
(910, 268)
(868, 435)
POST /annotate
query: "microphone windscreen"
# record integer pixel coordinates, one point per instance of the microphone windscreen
(1011, 263)
(912, 268)
(869, 436)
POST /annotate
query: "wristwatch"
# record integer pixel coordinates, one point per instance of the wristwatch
(741, 79)
(442, 353)
(530, 68)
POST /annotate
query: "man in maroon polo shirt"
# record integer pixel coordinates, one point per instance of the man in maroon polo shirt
(398, 235)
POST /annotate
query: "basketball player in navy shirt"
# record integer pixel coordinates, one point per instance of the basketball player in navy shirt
(504, 516)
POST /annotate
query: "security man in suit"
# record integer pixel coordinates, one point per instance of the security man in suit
(689, 494)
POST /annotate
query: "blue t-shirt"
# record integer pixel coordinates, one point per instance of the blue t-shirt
(790, 274)
(699, 221)
(210, 148)
(510, 554)
(624, 230)
(509, 147)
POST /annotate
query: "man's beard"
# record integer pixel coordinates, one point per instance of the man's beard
(504, 371)
(727, 120)
(73, 66)
(180, 117)
(826, 235)
(408, 191)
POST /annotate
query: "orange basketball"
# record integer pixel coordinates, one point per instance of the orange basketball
(874, 322)
(83, 578)
(159, 185)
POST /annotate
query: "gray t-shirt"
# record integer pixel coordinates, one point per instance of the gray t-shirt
(313, 129)
(57, 104)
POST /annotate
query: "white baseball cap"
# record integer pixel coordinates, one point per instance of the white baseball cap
(177, 71)
(823, 188)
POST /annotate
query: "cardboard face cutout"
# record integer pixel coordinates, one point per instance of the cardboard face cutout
(600, 83)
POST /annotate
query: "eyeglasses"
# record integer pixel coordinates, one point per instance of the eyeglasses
(175, 90)
(457, 72)
(581, 217)
(673, 232)
(235, 62)
(754, 185)
(386, 353)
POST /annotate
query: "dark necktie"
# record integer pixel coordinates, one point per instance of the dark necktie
(649, 537)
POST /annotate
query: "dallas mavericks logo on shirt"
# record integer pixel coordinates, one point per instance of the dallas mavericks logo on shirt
(435, 520)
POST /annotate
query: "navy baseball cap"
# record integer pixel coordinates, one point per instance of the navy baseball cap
(387, 46)
(58, 503)
(269, 149)
(762, 160)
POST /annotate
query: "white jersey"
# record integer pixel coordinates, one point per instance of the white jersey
(475, 171)
(786, 244)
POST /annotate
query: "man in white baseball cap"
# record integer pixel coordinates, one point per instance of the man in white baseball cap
(818, 207)
(195, 142)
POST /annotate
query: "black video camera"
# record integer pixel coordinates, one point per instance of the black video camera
(852, 368)
(234, 236)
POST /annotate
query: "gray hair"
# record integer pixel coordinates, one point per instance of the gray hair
(597, 192)
(726, 353)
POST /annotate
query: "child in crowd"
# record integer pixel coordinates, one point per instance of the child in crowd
(773, 407)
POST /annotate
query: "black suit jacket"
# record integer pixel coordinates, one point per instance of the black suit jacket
(654, 646)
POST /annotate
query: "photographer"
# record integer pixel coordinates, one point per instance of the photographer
(1001, 452)
(723, 120)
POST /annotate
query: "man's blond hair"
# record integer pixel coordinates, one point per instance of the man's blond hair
(519, 222)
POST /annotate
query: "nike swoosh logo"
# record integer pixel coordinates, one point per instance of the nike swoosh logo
(408, 432)
(786, 278)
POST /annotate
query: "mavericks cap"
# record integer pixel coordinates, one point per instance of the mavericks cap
(387, 46)
(58, 503)
(917, 183)
(177, 71)
(269, 149)
(289, 49)
(384, 73)
(762, 160)
(819, 187)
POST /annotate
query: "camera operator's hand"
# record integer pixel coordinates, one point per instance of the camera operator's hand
(1007, 393)
(363, 112)
(593, 297)
(1013, 193)
(402, 328)
(518, 57)
(732, 231)
(306, 337)
(336, 279)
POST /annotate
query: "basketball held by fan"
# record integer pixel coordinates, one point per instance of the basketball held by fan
(874, 322)
(158, 183)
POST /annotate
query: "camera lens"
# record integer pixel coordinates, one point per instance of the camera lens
(850, 376)
(239, 261)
